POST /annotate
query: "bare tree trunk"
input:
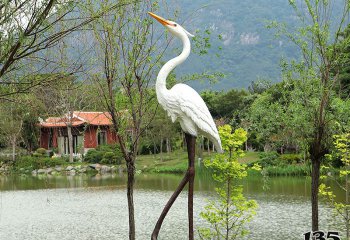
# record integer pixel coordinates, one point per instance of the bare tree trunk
(70, 142)
(130, 196)
(315, 176)
(168, 150)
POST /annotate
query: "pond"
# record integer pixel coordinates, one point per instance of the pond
(95, 207)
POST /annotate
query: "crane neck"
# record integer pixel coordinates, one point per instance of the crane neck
(171, 64)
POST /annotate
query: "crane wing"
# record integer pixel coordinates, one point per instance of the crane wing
(192, 105)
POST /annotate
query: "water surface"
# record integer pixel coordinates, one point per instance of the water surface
(95, 207)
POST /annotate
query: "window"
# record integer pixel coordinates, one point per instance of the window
(101, 137)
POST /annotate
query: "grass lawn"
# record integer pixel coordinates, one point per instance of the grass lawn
(176, 162)
(172, 162)
(249, 157)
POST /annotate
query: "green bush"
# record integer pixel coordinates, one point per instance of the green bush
(105, 154)
(37, 162)
(93, 156)
(37, 155)
(268, 159)
(290, 158)
(41, 151)
(110, 158)
(107, 148)
(6, 159)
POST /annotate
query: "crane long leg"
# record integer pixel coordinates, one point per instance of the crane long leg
(191, 150)
(189, 177)
(168, 205)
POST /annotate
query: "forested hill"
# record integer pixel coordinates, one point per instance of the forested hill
(249, 50)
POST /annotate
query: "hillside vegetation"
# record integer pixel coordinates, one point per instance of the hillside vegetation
(249, 51)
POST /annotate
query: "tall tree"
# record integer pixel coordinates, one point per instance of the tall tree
(11, 123)
(13, 117)
(28, 27)
(316, 79)
(127, 48)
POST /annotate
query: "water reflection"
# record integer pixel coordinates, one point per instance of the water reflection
(289, 186)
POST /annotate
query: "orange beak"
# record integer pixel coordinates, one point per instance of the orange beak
(159, 19)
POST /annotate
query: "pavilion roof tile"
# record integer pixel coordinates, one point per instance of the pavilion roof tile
(79, 118)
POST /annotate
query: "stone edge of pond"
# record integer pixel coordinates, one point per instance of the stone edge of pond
(64, 170)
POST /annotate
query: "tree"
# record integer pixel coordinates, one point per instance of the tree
(30, 132)
(161, 128)
(127, 48)
(70, 99)
(14, 116)
(227, 105)
(274, 118)
(11, 124)
(342, 151)
(314, 77)
(228, 214)
(28, 27)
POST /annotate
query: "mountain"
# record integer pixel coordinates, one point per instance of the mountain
(249, 50)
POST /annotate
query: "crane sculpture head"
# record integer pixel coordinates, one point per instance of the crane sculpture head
(173, 27)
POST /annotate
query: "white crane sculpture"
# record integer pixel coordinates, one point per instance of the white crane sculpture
(183, 103)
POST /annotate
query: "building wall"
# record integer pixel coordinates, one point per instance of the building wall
(90, 138)
(45, 135)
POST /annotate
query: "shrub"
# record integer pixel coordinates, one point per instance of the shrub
(290, 158)
(268, 159)
(37, 155)
(110, 158)
(37, 162)
(106, 154)
(55, 150)
(41, 151)
(93, 156)
(106, 148)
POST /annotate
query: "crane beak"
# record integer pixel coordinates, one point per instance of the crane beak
(159, 19)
